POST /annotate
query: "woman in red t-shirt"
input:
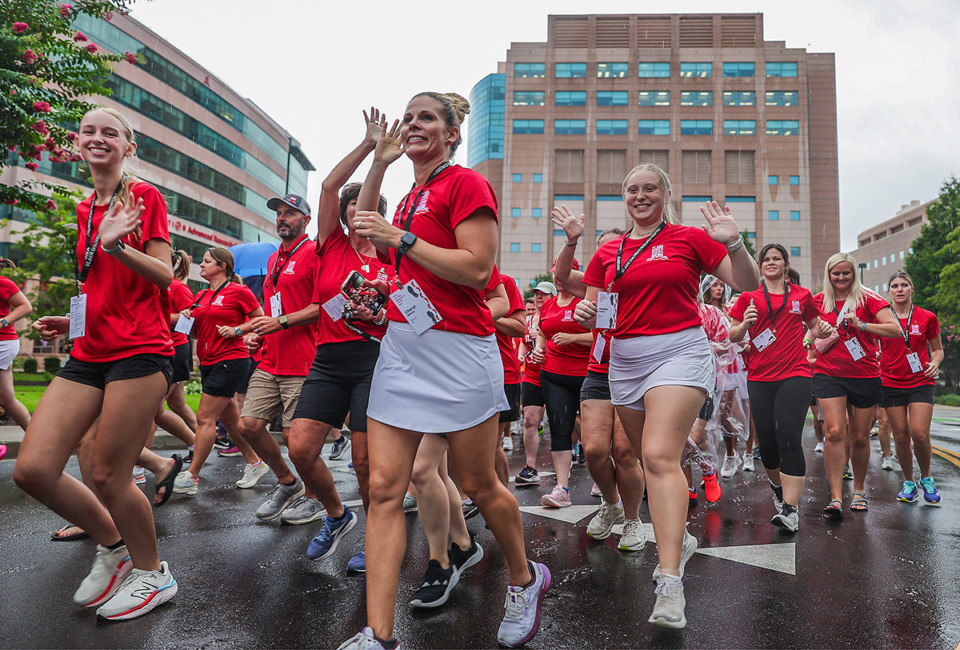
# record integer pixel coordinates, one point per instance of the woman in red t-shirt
(439, 369)
(531, 391)
(908, 365)
(118, 371)
(13, 306)
(779, 377)
(661, 366)
(847, 374)
(218, 314)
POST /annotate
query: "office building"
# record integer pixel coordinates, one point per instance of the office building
(883, 249)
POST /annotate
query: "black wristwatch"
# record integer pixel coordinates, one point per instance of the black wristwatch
(283, 321)
(408, 240)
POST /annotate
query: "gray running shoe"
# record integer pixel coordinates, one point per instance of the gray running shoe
(340, 447)
(409, 503)
(668, 610)
(689, 547)
(281, 497)
(302, 511)
(788, 518)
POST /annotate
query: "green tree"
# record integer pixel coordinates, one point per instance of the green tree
(46, 68)
(931, 254)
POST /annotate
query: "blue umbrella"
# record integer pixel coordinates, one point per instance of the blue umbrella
(250, 259)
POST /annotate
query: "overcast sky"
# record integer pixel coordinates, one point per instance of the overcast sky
(313, 65)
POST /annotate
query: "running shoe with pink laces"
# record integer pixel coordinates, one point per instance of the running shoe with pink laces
(559, 498)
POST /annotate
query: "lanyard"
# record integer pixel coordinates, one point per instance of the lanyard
(277, 268)
(766, 294)
(91, 251)
(620, 270)
(410, 210)
(840, 313)
(906, 332)
(212, 298)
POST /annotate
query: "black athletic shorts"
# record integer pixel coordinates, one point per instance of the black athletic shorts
(99, 375)
(242, 388)
(595, 386)
(339, 383)
(224, 378)
(512, 414)
(904, 396)
(861, 392)
(706, 411)
(531, 394)
(182, 362)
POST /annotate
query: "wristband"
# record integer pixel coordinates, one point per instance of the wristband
(735, 245)
(573, 244)
(807, 344)
(381, 317)
(113, 251)
(863, 326)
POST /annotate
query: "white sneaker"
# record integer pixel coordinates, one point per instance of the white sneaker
(595, 491)
(634, 536)
(109, 570)
(185, 483)
(730, 466)
(602, 524)
(887, 463)
(139, 475)
(668, 610)
(252, 474)
(507, 443)
(688, 548)
(139, 593)
(748, 462)
(819, 448)
(522, 619)
(788, 518)
(365, 640)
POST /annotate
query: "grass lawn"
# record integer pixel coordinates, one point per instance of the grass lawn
(30, 396)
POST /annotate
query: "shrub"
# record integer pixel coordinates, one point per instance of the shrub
(30, 365)
(950, 399)
(51, 365)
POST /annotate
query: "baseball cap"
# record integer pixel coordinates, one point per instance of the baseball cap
(575, 266)
(294, 201)
(546, 287)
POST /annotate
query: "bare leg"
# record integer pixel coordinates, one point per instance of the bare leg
(432, 498)
(178, 404)
(860, 445)
(835, 440)
(597, 434)
(9, 401)
(254, 431)
(306, 443)
(531, 437)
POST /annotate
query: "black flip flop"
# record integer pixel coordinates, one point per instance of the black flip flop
(168, 480)
(68, 538)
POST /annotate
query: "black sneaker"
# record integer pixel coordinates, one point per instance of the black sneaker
(581, 454)
(437, 585)
(223, 442)
(462, 560)
(470, 509)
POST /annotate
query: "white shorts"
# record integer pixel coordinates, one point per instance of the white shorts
(438, 382)
(8, 350)
(677, 359)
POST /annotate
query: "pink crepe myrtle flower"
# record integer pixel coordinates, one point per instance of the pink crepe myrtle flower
(41, 128)
(91, 48)
(51, 204)
(72, 136)
(65, 10)
(130, 57)
(32, 166)
(29, 56)
(75, 157)
(79, 37)
(11, 201)
(19, 28)
(41, 107)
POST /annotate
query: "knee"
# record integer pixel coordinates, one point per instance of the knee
(480, 489)
(32, 477)
(106, 480)
(386, 491)
(859, 441)
(834, 433)
(657, 464)
(623, 454)
(596, 451)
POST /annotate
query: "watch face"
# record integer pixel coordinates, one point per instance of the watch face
(408, 238)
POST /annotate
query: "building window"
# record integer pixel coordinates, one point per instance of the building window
(697, 199)
(654, 127)
(618, 70)
(739, 69)
(570, 127)
(794, 251)
(612, 98)
(740, 199)
(647, 70)
(609, 197)
(529, 98)
(876, 263)
(773, 215)
(696, 69)
(794, 180)
(566, 197)
(515, 247)
(654, 98)
(570, 70)
(536, 213)
(529, 70)
(781, 69)
(570, 98)
(773, 180)
(535, 247)
(783, 98)
(659, 158)
(515, 212)
(739, 167)
(696, 98)
(518, 178)
(883, 262)
(612, 127)
(884, 286)
(568, 166)
(538, 178)
(739, 127)
(697, 167)
(783, 127)
(751, 235)
(794, 215)
(528, 127)
(901, 254)
(696, 127)
(611, 164)
(739, 98)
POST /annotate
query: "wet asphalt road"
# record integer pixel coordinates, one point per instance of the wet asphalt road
(884, 579)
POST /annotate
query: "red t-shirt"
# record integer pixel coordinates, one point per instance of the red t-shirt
(290, 351)
(508, 354)
(837, 361)
(126, 313)
(531, 370)
(571, 359)
(7, 288)
(441, 205)
(180, 298)
(231, 306)
(658, 292)
(785, 356)
(894, 368)
(336, 260)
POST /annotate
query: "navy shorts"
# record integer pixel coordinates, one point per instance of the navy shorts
(182, 362)
(531, 394)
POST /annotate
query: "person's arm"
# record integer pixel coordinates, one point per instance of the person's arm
(387, 151)
(886, 325)
(569, 280)
(539, 352)
(497, 302)
(739, 328)
(817, 329)
(564, 338)
(737, 268)
(19, 307)
(264, 325)
(932, 368)
(512, 325)
(230, 331)
(586, 311)
(328, 212)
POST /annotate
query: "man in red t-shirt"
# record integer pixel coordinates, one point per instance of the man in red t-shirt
(286, 340)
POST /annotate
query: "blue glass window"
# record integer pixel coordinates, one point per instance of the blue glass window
(696, 127)
(529, 98)
(794, 180)
(515, 212)
(534, 247)
(704, 69)
(529, 70)
(607, 70)
(609, 197)
(696, 98)
(739, 127)
(740, 199)
(567, 197)
(654, 98)
(538, 178)
(654, 127)
(558, 232)
(773, 180)
(783, 127)
(696, 199)
(515, 247)
(773, 215)
(794, 251)
(782, 98)
(537, 213)
(751, 235)
(518, 178)
(647, 70)
(739, 98)
(612, 98)
(739, 69)
(570, 98)
(781, 69)
(570, 127)
(794, 215)
(612, 127)
(528, 127)
(570, 70)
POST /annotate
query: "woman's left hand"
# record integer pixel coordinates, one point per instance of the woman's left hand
(931, 371)
(227, 331)
(370, 225)
(850, 318)
(720, 224)
(563, 338)
(120, 222)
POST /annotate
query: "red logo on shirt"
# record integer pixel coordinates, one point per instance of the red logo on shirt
(422, 205)
(657, 254)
